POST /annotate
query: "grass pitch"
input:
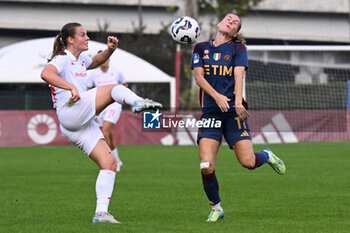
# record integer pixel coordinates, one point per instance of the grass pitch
(52, 189)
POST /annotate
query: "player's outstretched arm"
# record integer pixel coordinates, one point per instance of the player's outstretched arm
(98, 59)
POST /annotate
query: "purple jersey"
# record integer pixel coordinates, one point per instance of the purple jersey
(218, 63)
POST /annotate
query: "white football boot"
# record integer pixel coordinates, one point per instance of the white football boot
(145, 104)
(104, 218)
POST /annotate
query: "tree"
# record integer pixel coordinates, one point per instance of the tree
(222, 7)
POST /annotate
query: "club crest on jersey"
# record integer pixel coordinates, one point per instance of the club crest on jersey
(227, 57)
(217, 56)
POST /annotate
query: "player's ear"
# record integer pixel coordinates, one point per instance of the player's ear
(70, 40)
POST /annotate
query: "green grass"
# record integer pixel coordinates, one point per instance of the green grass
(52, 189)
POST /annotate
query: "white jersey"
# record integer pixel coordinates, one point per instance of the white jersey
(73, 71)
(111, 76)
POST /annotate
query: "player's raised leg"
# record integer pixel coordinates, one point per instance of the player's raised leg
(208, 149)
(246, 156)
(251, 160)
(105, 95)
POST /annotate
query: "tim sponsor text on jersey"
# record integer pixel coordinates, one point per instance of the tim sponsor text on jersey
(221, 70)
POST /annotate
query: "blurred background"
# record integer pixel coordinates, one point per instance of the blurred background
(298, 56)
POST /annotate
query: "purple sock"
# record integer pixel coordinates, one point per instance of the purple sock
(260, 158)
(211, 188)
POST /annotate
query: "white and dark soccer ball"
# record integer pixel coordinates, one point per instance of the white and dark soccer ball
(185, 30)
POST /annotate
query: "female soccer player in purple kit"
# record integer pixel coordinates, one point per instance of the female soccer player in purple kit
(219, 66)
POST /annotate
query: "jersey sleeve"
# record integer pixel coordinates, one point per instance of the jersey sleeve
(241, 58)
(197, 58)
(59, 62)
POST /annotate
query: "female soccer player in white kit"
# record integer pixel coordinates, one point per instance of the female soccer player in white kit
(76, 107)
(101, 76)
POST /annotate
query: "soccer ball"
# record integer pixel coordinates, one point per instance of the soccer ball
(185, 30)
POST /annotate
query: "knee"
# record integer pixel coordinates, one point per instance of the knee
(207, 171)
(248, 163)
(113, 167)
(207, 168)
(110, 164)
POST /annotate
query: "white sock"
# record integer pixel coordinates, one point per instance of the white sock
(124, 95)
(217, 206)
(116, 155)
(104, 189)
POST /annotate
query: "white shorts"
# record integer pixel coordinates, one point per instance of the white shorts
(85, 138)
(76, 122)
(73, 117)
(111, 114)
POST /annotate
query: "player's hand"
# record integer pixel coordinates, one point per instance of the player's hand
(222, 102)
(242, 113)
(112, 43)
(75, 95)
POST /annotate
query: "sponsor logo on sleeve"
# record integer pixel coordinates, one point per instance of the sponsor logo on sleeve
(195, 58)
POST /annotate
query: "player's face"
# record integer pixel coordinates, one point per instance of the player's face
(80, 40)
(229, 25)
